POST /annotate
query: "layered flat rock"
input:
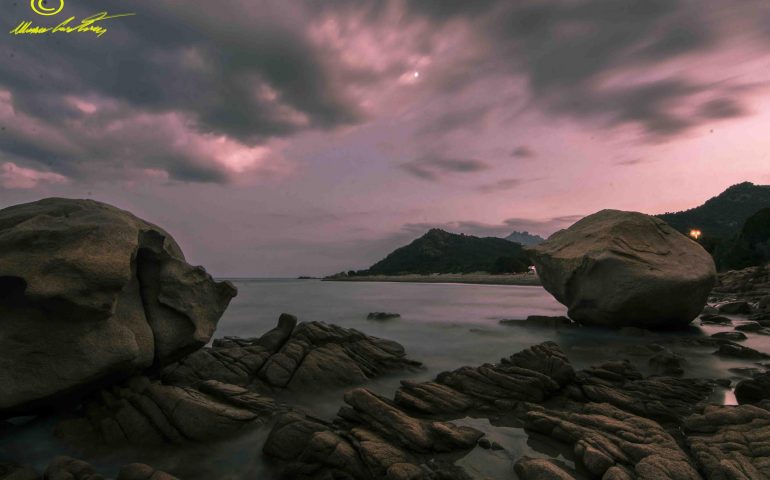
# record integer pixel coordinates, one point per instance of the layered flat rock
(144, 412)
(374, 437)
(731, 442)
(734, 350)
(532, 375)
(14, 471)
(662, 398)
(751, 284)
(371, 439)
(541, 469)
(68, 468)
(90, 293)
(299, 357)
(540, 321)
(619, 269)
(614, 444)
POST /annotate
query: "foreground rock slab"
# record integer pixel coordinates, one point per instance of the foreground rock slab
(533, 375)
(614, 444)
(408, 437)
(662, 398)
(144, 412)
(68, 468)
(541, 469)
(731, 442)
(372, 439)
(89, 293)
(299, 357)
(617, 269)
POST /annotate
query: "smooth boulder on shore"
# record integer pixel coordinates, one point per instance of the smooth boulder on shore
(89, 294)
(617, 269)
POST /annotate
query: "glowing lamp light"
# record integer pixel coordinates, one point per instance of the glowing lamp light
(695, 233)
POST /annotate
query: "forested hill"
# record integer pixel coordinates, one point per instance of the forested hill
(439, 251)
(722, 216)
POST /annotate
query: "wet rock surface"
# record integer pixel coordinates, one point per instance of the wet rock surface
(730, 442)
(667, 362)
(731, 336)
(709, 319)
(533, 374)
(540, 321)
(614, 421)
(144, 412)
(613, 443)
(374, 437)
(619, 424)
(298, 357)
(662, 398)
(68, 468)
(735, 350)
(372, 440)
(541, 469)
(14, 471)
(753, 390)
(225, 390)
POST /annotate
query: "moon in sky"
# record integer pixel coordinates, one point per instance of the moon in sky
(416, 74)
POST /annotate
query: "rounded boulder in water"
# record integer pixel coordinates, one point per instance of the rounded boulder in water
(91, 293)
(618, 269)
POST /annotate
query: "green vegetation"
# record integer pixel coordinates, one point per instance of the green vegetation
(750, 248)
(442, 252)
(735, 225)
(723, 216)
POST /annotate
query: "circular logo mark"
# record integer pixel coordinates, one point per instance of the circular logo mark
(40, 7)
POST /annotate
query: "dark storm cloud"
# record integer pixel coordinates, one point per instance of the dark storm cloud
(224, 70)
(523, 151)
(504, 184)
(722, 108)
(434, 167)
(568, 51)
(631, 162)
(161, 89)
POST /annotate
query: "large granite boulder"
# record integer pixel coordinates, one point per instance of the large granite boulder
(89, 292)
(616, 268)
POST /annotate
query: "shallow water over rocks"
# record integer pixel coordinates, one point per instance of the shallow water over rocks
(443, 326)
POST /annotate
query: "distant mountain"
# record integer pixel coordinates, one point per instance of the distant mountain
(724, 215)
(525, 238)
(442, 252)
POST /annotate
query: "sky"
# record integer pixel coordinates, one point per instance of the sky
(284, 138)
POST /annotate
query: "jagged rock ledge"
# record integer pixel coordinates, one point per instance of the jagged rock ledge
(620, 425)
(220, 391)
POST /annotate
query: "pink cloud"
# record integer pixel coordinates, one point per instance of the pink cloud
(14, 176)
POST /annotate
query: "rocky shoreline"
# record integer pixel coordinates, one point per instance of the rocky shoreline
(616, 422)
(107, 362)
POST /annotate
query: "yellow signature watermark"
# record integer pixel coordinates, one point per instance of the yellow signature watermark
(89, 24)
(39, 7)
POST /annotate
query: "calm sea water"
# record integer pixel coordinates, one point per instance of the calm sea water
(445, 326)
